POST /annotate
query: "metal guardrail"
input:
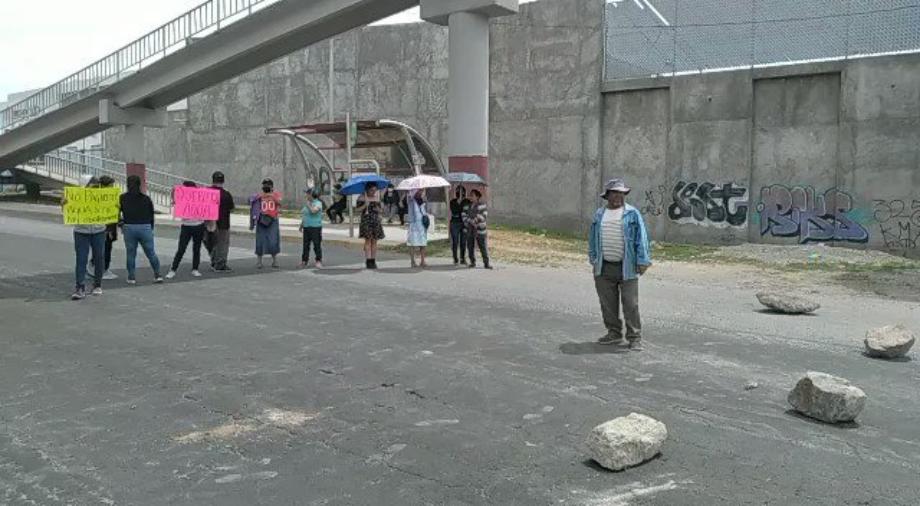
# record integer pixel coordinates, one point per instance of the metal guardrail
(65, 165)
(173, 36)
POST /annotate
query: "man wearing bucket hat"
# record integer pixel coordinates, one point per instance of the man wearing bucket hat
(619, 252)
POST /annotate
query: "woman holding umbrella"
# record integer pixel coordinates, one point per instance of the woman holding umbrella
(419, 220)
(371, 228)
(418, 226)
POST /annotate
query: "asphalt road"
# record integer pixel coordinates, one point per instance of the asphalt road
(442, 387)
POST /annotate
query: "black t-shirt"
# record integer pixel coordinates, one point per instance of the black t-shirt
(226, 206)
(136, 209)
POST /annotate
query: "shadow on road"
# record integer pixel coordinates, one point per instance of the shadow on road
(774, 312)
(591, 348)
(337, 271)
(845, 426)
(883, 359)
(57, 286)
(594, 466)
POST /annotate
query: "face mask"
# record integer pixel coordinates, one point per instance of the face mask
(266, 189)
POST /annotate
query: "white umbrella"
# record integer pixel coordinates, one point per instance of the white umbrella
(422, 182)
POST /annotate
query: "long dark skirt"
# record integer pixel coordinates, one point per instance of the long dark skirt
(268, 239)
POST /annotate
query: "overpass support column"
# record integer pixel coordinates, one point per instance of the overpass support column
(134, 119)
(468, 99)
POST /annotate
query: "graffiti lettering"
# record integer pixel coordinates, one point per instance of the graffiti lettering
(654, 201)
(710, 204)
(899, 222)
(800, 211)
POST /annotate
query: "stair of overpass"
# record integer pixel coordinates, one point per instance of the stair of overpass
(66, 167)
(215, 41)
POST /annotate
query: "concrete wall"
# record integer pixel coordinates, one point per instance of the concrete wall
(546, 73)
(812, 153)
(789, 155)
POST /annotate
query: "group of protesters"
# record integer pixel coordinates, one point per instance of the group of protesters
(136, 220)
(618, 240)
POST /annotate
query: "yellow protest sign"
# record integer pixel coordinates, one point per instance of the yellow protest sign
(91, 206)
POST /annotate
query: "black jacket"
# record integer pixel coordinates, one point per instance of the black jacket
(136, 209)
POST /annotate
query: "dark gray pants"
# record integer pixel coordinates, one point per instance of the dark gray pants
(220, 249)
(612, 290)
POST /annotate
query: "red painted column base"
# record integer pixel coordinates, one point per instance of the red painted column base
(139, 170)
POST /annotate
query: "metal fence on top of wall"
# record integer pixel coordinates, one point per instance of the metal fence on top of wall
(663, 37)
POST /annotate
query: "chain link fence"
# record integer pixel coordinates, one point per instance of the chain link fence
(663, 37)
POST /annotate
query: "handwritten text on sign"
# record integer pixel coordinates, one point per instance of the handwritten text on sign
(91, 206)
(196, 203)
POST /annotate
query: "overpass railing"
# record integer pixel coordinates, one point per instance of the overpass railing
(203, 20)
(66, 165)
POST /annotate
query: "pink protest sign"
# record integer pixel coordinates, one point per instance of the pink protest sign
(196, 203)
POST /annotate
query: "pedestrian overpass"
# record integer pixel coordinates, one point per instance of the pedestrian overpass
(213, 42)
(221, 39)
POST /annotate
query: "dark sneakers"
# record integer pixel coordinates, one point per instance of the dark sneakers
(610, 340)
(78, 294)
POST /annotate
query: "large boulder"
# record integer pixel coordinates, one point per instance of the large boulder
(827, 398)
(626, 441)
(891, 341)
(789, 304)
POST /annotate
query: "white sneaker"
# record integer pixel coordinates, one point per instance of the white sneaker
(157, 280)
(195, 274)
(171, 274)
(109, 275)
(131, 281)
(97, 291)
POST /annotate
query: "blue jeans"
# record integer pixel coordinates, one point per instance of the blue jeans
(82, 244)
(142, 234)
(458, 240)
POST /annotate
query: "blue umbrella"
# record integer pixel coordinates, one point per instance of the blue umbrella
(358, 184)
(465, 178)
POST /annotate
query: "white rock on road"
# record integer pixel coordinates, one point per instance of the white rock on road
(789, 304)
(827, 398)
(626, 441)
(891, 341)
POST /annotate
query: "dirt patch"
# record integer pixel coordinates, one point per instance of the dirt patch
(278, 418)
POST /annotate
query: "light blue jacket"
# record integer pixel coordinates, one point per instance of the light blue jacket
(635, 235)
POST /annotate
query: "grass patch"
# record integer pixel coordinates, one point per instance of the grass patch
(887, 266)
(540, 232)
(675, 252)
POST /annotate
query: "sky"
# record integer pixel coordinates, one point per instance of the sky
(55, 38)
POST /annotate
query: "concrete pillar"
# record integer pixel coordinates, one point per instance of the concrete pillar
(134, 119)
(135, 146)
(468, 95)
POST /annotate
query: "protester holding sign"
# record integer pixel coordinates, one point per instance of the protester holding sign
(137, 219)
(194, 205)
(111, 234)
(88, 236)
(263, 217)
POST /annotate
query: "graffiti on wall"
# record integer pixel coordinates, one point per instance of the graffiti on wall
(723, 205)
(800, 211)
(655, 201)
(899, 222)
